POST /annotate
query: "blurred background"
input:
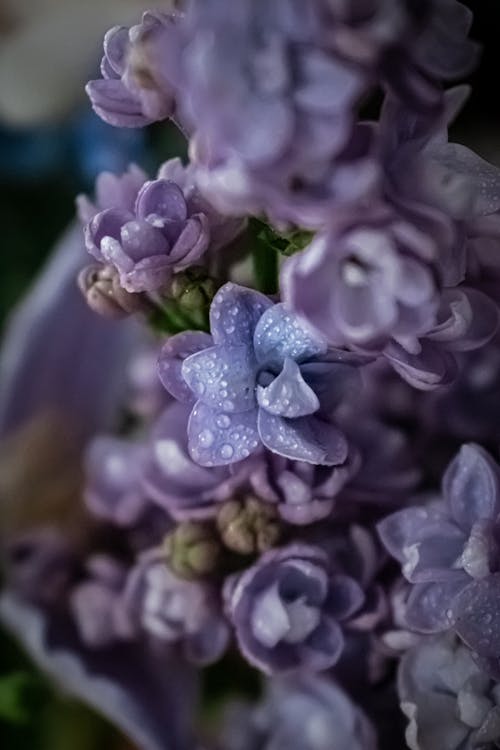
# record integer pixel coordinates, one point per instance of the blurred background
(51, 148)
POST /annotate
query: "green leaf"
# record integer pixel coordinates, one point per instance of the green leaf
(20, 694)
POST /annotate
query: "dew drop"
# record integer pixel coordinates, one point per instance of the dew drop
(226, 451)
(223, 421)
(206, 438)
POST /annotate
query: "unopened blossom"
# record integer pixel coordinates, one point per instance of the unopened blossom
(259, 378)
(450, 702)
(176, 611)
(288, 609)
(449, 550)
(299, 713)
(134, 89)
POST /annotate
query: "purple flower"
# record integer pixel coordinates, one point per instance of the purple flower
(147, 230)
(450, 551)
(134, 89)
(303, 493)
(174, 481)
(273, 107)
(146, 245)
(374, 286)
(113, 471)
(299, 713)
(449, 701)
(97, 603)
(287, 609)
(176, 611)
(112, 191)
(261, 377)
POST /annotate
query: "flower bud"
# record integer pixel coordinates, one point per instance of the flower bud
(248, 526)
(101, 288)
(191, 550)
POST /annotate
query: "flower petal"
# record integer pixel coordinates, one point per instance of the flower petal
(173, 354)
(477, 616)
(471, 486)
(432, 368)
(288, 395)
(161, 198)
(150, 699)
(234, 313)
(222, 377)
(303, 439)
(280, 334)
(217, 439)
(429, 608)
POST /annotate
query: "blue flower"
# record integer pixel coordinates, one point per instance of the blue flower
(261, 377)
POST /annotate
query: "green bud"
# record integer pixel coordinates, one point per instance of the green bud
(248, 526)
(191, 550)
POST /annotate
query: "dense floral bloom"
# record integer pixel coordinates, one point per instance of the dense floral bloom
(273, 108)
(175, 610)
(259, 378)
(133, 90)
(449, 701)
(371, 284)
(146, 230)
(287, 609)
(300, 713)
(449, 550)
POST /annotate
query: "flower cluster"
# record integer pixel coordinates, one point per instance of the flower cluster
(308, 314)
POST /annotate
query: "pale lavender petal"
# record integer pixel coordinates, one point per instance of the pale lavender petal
(217, 438)
(430, 369)
(234, 314)
(471, 486)
(288, 395)
(222, 377)
(162, 198)
(172, 356)
(302, 439)
(430, 606)
(280, 334)
(476, 611)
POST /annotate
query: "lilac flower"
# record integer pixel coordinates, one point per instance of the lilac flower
(273, 108)
(174, 481)
(97, 603)
(134, 89)
(176, 611)
(449, 701)
(113, 471)
(260, 378)
(148, 243)
(303, 493)
(300, 713)
(450, 551)
(112, 191)
(287, 609)
(147, 230)
(371, 285)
